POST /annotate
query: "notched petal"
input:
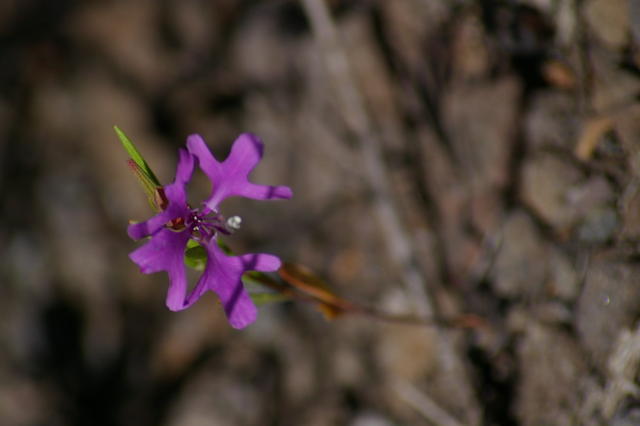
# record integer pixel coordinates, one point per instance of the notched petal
(265, 192)
(208, 163)
(260, 262)
(186, 164)
(141, 230)
(246, 153)
(165, 252)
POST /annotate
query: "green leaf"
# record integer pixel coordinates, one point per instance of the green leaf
(155, 194)
(263, 298)
(254, 278)
(225, 248)
(136, 156)
(195, 256)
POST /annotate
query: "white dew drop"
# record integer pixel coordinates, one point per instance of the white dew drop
(234, 222)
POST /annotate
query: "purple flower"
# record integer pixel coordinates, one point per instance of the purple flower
(171, 229)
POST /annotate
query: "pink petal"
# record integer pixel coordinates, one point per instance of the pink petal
(165, 252)
(246, 153)
(223, 275)
(208, 163)
(231, 178)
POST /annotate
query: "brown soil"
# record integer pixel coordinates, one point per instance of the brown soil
(447, 158)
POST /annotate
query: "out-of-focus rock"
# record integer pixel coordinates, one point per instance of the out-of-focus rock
(566, 23)
(451, 373)
(397, 348)
(217, 399)
(609, 20)
(546, 183)
(370, 418)
(552, 313)
(482, 136)
(592, 205)
(521, 265)
(594, 192)
(471, 54)
(627, 127)
(609, 302)
(551, 121)
(622, 370)
(613, 86)
(374, 80)
(561, 14)
(126, 33)
(186, 337)
(634, 20)
(409, 23)
(81, 258)
(627, 416)
(348, 365)
(299, 378)
(18, 393)
(547, 355)
(562, 282)
(197, 24)
(598, 225)
(630, 211)
(482, 139)
(262, 54)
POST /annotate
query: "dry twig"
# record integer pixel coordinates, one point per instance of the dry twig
(399, 244)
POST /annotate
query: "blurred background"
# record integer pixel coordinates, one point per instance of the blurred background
(446, 157)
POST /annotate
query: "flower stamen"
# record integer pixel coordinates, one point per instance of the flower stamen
(204, 225)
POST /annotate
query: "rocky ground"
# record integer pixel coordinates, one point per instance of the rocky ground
(447, 158)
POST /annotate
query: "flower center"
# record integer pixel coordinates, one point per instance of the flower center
(204, 224)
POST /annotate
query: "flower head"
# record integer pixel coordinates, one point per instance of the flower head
(171, 229)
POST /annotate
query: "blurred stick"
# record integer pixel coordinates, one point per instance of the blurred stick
(423, 404)
(398, 243)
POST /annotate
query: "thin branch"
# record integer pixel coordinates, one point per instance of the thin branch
(303, 289)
